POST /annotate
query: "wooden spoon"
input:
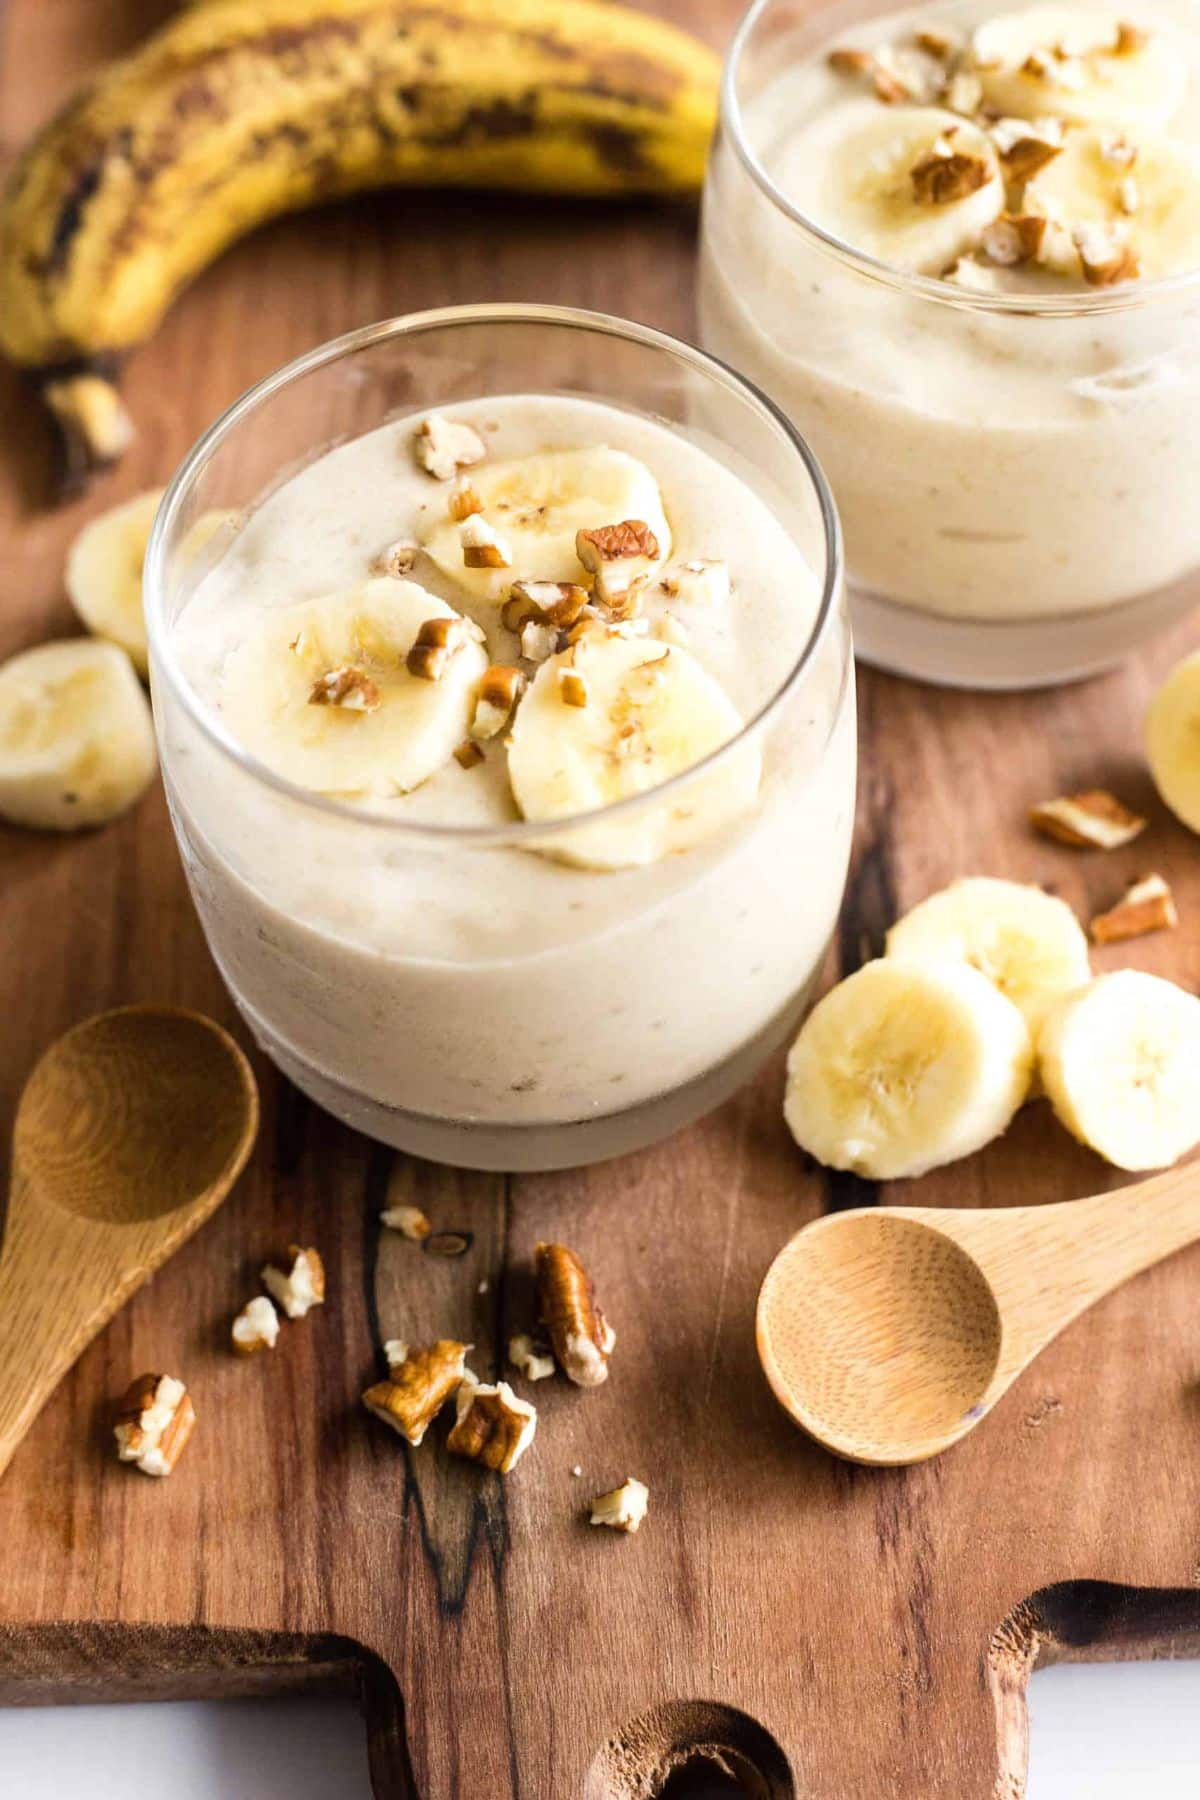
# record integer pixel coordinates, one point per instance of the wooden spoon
(131, 1131)
(889, 1332)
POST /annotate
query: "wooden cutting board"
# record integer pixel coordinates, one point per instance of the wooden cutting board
(832, 1631)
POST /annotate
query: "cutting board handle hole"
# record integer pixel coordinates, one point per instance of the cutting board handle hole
(691, 1750)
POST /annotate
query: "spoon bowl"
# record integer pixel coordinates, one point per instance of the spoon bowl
(922, 1359)
(889, 1332)
(131, 1130)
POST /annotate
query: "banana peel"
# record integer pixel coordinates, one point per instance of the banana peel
(237, 111)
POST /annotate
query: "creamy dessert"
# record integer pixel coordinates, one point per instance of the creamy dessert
(517, 860)
(955, 244)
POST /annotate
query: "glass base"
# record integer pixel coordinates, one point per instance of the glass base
(1009, 654)
(536, 1147)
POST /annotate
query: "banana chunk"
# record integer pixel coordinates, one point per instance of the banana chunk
(906, 1065)
(1029, 944)
(912, 186)
(537, 505)
(104, 573)
(1121, 1063)
(648, 712)
(1074, 63)
(76, 737)
(1133, 210)
(1173, 741)
(322, 690)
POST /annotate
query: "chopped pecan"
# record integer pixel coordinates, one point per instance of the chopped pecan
(419, 1385)
(581, 1336)
(444, 446)
(301, 1286)
(500, 688)
(1146, 905)
(945, 174)
(624, 1508)
(617, 557)
(154, 1422)
(435, 643)
(410, 1221)
(1094, 820)
(493, 1426)
(349, 687)
(557, 603)
(483, 546)
(531, 1356)
(256, 1327)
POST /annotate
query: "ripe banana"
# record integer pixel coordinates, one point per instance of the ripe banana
(104, 574)
(323, 690)
(76, 738)
(1067, 62)
(1120, 1061)
(239, 110)
(905, 1065)
(537, 504)
(1173, 740)
(1145, 201)
(614, 716)
(913, 186)
(1028, 943)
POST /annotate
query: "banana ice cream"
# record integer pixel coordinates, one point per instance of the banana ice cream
(955, 245)
(551, 872)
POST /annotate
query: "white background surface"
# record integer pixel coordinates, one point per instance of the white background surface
(1099, 1732)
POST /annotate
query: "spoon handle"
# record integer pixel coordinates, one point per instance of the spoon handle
(55, 1294)
(1053, 1262)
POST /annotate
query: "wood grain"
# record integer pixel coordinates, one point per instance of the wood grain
(878, 1626)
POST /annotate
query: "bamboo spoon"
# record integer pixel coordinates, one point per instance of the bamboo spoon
(889, 1332)
(131, 1131)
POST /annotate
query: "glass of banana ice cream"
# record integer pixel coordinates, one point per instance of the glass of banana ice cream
(505, 708)
(960, 245)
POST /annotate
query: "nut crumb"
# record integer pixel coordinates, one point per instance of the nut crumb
(531, 1356)
(558, 603)
(464, 500)
(1146, 905)
(435, 643)
(468, 755)
(945, 174)
(493, 1426)
(538, 642)
(1013, 238)
(349, 687)
(500, 688)
(396, 1351)
(410, 1221)
(577, 1470)
(572, 688)
(618, 557)
(582, 1338)
(419, 1385)
(850, 62)
(256, 1327)
(301, 1287)
(483, 546)
(444, 446)
(398, 559)
(1094, 820)
(1105, 259)
(155, 1419)
(624, 1508)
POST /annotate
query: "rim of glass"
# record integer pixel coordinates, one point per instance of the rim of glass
(928, 287)
(411, 325)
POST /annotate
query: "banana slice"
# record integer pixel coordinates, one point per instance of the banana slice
(1173, 740)
(1144, 200)
(616, 716)
(1120, 1061)
(322, 691)
(906, 1065)
(76, 737)
(104, 573)
(1074, 63)
(1028, 943)
(537, 504)
(912, 186)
